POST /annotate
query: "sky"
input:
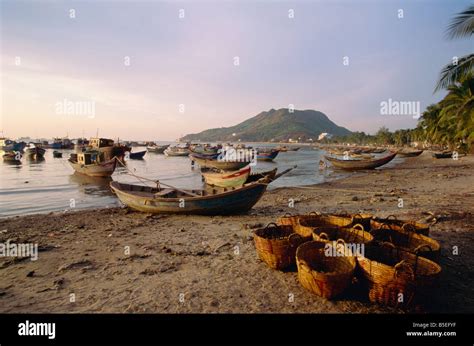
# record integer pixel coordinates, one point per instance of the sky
(157, 70)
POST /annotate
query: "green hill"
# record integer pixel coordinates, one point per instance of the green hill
(274, 125)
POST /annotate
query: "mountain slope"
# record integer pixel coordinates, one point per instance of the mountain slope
(277, 125)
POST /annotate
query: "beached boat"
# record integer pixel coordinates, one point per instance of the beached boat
(271, 174)
(218, 164)
(443, 155)
(137, 155)
(410, 153)
(227, 179)
(93, 164)
(158, 149)
(57, 154)
(354, 164)
(176, 151)
(35, 151)
(267, 155)
(294, 148)
(215, 201)
(378, 150)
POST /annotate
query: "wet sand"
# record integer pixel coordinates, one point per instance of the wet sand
(117, 260)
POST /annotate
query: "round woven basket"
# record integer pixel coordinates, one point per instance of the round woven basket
(407, 239)
(395, 277)
(354, 235)
(276, 245)
(392, 220)
(293, 220)
(326, 276)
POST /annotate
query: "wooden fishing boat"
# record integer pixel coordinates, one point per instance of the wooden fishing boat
(137, 155)
(227, 179)
(57, 154)
(354, 164)
(267, 155)
(35, 151)
(218, 164)
(271, 174)
(12, 156)
(216, 201)
(176, 151)
(282, 149)
(443, 155)
(294, 148)
(92, 163)
(378, 150)
(410, 153)
(158, 149)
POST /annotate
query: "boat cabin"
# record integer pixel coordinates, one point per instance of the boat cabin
(101, 142)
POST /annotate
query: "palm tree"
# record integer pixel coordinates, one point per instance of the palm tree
(461, 26)
(457, 112)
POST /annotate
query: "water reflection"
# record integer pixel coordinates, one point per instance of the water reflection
(96, 186)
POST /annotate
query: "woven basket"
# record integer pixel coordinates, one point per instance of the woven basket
(326, 276)
(293, 220)
(392, 220)
(276, 245)
(354, 235)
(406, 239)
(396, 277)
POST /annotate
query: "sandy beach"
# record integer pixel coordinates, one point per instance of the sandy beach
(117, 260)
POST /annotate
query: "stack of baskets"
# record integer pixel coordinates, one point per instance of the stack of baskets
(397, 265)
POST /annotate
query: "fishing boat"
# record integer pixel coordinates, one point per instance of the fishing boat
(271, 174)
(35, 151)
(294, 148)
(158, 149)
(9, 145)
(218, 164)
(410, 153)
(227, 179)
(57, 154)
(81, 145)
(92, 163)
(215, 201)
(443, 155)
(57, 144)
(176, 151)
(267, 155)
(12, 156)
(282, 149)
(356, 164)
(378, 150)
(137, 155)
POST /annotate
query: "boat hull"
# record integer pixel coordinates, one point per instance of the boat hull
(35, 152)
(230, 179)
(231, 202)
(105, 169)
(138, 155)
(410, 153)
(360, 164)
(267, 156)
(157, 149)
(218, 164)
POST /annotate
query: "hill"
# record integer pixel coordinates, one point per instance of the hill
(274, 125)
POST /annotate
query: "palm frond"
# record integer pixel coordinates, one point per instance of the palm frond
(462, 25)
(450, 74)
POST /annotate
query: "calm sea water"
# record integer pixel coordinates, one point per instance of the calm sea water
(52, 185)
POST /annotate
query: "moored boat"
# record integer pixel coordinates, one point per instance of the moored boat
(57, 154)
(92, 163)
(12, 156)
(215, 201)
(35, 151)
(158, 149)
(176, 151)
(218, 164)
(267, 155)
(356, 164)
(137, 155)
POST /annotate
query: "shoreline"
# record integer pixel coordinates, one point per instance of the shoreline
(211, 263)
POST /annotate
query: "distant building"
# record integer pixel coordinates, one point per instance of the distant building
(324, 135)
